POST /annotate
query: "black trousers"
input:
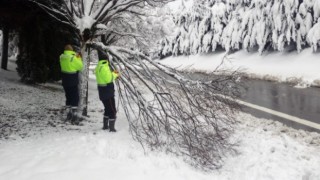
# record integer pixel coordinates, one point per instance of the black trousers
(72, 95)
(110, 108)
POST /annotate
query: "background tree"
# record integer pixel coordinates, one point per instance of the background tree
(32, 25)
(313, 37)
(5, 48)
(0, 43)
(253, 25)
(40, 46)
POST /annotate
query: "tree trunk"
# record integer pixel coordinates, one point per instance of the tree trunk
(83, 85)
(85, 101)
(5, 48)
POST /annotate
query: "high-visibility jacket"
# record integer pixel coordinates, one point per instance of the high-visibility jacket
(104, 75)
(70, 66)
(105, 78)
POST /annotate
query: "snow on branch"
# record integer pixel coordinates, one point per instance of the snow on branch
(314, 36)
(251, 25)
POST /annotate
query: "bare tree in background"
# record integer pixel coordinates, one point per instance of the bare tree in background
(165, 109)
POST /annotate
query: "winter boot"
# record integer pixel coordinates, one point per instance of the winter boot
(74, 115)
(105, 123)
(63, 112)
(69, 115)
(111, 125)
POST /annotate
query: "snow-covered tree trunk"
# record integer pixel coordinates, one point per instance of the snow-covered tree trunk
(83, 84)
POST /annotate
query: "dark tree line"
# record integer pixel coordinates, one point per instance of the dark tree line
(40, 44)
(41, 39)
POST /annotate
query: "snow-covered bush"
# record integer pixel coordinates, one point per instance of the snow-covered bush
(245, 24)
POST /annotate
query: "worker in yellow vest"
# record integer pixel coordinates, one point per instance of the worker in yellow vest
(105, 77)
(71, 64)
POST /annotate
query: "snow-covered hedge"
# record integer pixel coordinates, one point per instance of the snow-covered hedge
(245, 24)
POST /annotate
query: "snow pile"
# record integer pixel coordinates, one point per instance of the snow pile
(270, 150)
(55, 150)
(267, 151)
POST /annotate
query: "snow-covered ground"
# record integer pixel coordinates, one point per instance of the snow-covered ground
(301, 69)
(35, 144)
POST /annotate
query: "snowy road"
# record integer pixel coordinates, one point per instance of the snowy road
(301, 103)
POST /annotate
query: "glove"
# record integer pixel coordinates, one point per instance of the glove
(78, 55)
(117, 73)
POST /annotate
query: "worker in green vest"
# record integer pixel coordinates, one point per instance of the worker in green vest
(71, 64)
(105, 76)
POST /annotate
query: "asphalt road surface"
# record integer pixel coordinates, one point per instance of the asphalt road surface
(297, 108)
(300, 103)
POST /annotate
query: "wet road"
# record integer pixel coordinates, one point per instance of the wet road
(291, 104)
(301, 103)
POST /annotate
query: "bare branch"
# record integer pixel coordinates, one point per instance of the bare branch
(92, 6)
(82, 7)
(193, 118)
(56, 14)
(107, 16)
(166, 109)
(103, 8)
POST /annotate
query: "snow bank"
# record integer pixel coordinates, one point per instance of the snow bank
(299, 69)
(270, 150)
(84, 156)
